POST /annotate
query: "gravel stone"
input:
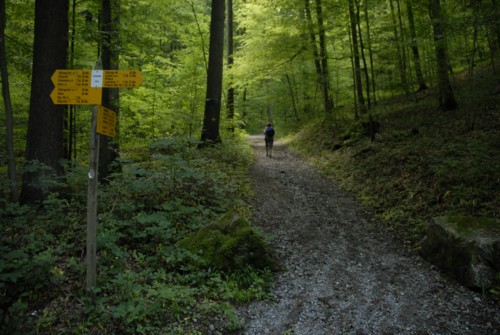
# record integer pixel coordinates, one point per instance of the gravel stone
(346, 274)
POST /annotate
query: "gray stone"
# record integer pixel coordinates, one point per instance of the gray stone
(467, 248)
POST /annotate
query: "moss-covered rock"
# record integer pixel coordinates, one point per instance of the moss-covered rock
(230, 245)
(467, 248)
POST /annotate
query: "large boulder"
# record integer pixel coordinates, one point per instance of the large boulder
(467, 248)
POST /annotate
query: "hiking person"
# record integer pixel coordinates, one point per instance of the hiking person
(269, 139)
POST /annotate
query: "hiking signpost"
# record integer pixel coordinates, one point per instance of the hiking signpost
(84, 87)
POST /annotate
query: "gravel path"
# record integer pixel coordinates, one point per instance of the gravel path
(346, 275)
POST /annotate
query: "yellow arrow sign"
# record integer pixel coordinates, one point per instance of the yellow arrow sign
(84, 87)
(122, 78)
(76, 95)
(106, 122)
(71, 78)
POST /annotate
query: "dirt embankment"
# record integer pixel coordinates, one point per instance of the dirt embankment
(345, 274)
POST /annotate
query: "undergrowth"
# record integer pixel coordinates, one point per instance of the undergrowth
(146, 283)
(422, 162)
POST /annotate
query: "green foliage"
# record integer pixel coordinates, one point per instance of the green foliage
(230, 245)
(147, 284)
(422, 163)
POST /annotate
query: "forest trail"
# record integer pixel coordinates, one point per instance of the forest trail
(344, 274)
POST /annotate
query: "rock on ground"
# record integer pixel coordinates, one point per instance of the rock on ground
(467, 248)
(346, 274)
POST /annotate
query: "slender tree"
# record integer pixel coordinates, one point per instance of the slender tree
(109, 149)
(414, 47)
(292, 96)
(230, 62)
(70, 122)
(356, 59)
(312, 38)
(446, 97)
(363, 57)
(325, 74)
(9, 118)
(211, 120)
(370, 51)
(45, 138)
(399, 49)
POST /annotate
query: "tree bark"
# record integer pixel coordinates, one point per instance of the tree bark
(357, 65)
(362, 49)
(45, 138)
(109, 148)
(70, 123)
(325, 75)
(293, 96)
(312, 38)
(414, 47)
(399, 51)
(368, 37)
(211, 121)
(9, 118)
(446, 97)
(230, 62)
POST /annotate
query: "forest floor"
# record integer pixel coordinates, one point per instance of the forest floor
(344, 273)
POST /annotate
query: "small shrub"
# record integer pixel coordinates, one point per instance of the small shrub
(230, 245)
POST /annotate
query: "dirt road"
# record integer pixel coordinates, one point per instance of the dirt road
(345, 274)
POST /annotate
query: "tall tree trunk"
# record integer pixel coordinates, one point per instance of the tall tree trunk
(357, 65)
(45, 139)
(293, 96)
(71, 121)
(399, 52)
(362, 48)
(368, 36)
(414, 47)
(446, 97)
(496, 10)
(325, 75)
(109, 148)
(9, 118)
(314, 45)
(230, 62)
(211, 120)
(403, 47)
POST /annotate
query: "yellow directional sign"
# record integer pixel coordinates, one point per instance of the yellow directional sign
(106, 122)
(84, 87)
(76, 95)
(71, 78)
(122, 78)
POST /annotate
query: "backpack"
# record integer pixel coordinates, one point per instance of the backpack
(269, 131)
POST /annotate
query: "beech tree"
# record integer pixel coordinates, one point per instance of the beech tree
(356, 60)
(45, 139)
(446, 98)
(319, 52)
(109, 148)
(230, 61)
(414, 47)
(9, 119)
(211, 121)
(325, 73)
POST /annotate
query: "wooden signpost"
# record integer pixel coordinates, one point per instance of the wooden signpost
(84, 87)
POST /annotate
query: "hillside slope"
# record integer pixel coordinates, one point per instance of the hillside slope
(422, 162)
